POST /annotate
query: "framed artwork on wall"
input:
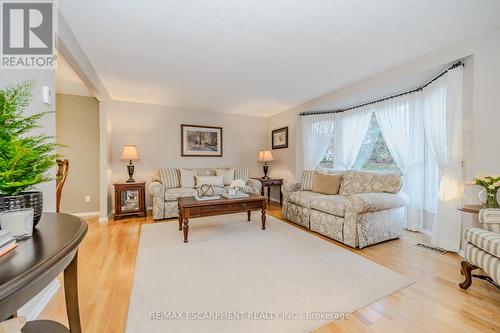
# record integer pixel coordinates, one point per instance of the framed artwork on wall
(279, 138)
(201, 141)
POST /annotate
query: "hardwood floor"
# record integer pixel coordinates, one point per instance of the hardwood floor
(434, 303)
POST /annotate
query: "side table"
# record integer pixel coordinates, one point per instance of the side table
(130, 199)
(270, 182)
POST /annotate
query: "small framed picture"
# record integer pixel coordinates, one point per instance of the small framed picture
(201, 140)
(279, 138)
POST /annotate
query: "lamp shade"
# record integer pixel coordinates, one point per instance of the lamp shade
(265, 156)
(129, 153)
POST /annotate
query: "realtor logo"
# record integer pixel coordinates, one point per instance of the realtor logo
(28, 34)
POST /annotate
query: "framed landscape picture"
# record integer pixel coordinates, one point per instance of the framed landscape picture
(201, 140)
(279, 138)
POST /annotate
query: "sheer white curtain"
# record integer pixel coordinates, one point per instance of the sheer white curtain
(350, 130)
(442, 114)
(401, 124)
(317, 133)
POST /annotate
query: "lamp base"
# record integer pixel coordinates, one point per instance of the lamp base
(265, 167)
(130, 169)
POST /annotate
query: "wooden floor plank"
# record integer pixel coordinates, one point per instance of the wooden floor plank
(434, 303)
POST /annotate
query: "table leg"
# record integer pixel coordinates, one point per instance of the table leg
(263, 218)
(249, 213)
(467, 268)
(180, 220)
(269, 194)
(71, 295)
(281, 197)
(186, 230)
(262, 191)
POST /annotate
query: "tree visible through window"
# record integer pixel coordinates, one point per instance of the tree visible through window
(327, 161)
(374, 154)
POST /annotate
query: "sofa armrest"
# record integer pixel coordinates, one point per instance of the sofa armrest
(372, 202)
(255, 185)
(156, 188)
(288, 188)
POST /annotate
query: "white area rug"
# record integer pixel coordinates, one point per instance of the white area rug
(234, 277)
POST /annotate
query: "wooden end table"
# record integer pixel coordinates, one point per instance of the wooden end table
(130, 199)
(189, 207)
(270, 182)
(36, 262)
(473, 209)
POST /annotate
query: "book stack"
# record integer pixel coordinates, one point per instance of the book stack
(7, 242)
(206, 198)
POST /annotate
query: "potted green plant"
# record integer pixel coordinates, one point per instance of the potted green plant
(25, 158)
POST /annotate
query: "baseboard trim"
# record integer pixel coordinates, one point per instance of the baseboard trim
(84, 214)
(105, 219)
(35, 306)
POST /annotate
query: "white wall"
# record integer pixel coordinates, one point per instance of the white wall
(77, 117)
(156, 130)
(48, 123)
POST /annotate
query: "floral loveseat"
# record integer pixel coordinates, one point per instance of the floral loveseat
(165, 188)
(369, 208)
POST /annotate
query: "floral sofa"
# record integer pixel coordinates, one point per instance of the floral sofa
(165, 188)
(369, 208)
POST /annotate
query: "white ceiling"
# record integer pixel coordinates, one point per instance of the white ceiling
(260, 57)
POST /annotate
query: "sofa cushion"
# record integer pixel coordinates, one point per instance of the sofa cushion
(210, 180)
(326, 184)
(170, 177)
(172, 194)
(331, 204)
(228, 175)
(205, 172)
(373, 202)
(354, 182)
(187, 177)
(484, 239)
(303, 198)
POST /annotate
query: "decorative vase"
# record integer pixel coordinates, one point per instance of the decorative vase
(24, 200)
(491, 199)
(482, 196)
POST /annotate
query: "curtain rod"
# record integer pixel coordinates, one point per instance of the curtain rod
(420, 88)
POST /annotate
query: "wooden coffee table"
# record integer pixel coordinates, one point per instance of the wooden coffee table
(190, 207)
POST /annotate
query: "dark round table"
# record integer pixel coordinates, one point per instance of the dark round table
(36, 262)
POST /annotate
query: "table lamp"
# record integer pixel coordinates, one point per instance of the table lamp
(129, 153)
(265, 157)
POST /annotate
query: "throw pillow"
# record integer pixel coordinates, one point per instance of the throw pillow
(187, 177)
(170, 177)
(210, 180)
(307, 180)
(241, 173)
(228, 175)
(325, 183)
